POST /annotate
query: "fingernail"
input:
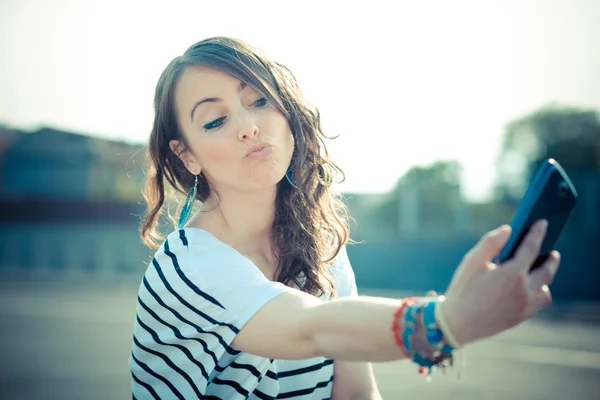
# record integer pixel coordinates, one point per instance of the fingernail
(544, 225)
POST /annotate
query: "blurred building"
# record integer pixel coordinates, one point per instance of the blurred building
(54, 164)
(69, 202)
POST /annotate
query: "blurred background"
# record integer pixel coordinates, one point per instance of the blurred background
(444, 112)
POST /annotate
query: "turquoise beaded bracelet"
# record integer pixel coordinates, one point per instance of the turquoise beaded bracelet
(424, 340)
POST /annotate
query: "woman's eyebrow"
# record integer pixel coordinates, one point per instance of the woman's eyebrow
(212, 100)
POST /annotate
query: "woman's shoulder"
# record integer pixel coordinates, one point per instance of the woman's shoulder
(197, 242)
(196, 251)
(193, 267)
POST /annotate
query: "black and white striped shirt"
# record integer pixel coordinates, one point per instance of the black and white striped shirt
(196, 294)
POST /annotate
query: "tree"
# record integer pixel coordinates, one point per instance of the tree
(569, 135)
(437, 192)
(425, 200)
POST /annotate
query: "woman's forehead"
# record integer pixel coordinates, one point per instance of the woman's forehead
(203, 80)
(198, 83)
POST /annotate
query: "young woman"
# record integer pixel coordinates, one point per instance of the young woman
(253, 297)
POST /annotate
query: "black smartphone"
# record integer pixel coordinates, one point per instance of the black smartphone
(550, 196)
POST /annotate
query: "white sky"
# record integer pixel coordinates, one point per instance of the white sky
(404, 82)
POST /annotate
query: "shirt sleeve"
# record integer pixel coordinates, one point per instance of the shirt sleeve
(231, 282)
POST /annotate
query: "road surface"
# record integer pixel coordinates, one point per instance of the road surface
(70, 339)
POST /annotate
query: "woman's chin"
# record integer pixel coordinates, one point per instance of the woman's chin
(263, 182)
(268, 176)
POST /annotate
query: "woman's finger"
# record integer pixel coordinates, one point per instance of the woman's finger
(528, 249)
(544, 275)
(539, 299)
(490, 245)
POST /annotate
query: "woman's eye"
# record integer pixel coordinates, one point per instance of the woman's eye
(260, 103)
(214, 124)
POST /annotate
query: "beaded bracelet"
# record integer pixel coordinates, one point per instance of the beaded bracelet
(423, 340)
(396, 324)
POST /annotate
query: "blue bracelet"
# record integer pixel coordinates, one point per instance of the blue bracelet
(423, 339)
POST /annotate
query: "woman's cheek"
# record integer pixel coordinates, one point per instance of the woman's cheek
(220, 154)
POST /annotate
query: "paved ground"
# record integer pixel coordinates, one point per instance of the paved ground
(70, 339)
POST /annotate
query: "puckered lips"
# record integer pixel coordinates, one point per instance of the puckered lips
(259, 150)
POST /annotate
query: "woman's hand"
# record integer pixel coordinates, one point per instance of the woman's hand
(484, 299)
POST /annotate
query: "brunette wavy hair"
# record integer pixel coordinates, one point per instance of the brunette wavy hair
(310, 225)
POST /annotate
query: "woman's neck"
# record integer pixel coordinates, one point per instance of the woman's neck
(243, 220)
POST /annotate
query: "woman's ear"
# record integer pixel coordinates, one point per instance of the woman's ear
(186, 157)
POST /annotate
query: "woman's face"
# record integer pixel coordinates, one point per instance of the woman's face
(235, 136)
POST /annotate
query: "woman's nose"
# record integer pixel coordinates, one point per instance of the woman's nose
(247, 128)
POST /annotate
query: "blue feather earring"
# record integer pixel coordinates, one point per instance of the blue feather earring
(188, 205)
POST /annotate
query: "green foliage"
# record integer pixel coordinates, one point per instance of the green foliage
(438, 189)
(434, 194)
(440, 176)
(569, 135)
